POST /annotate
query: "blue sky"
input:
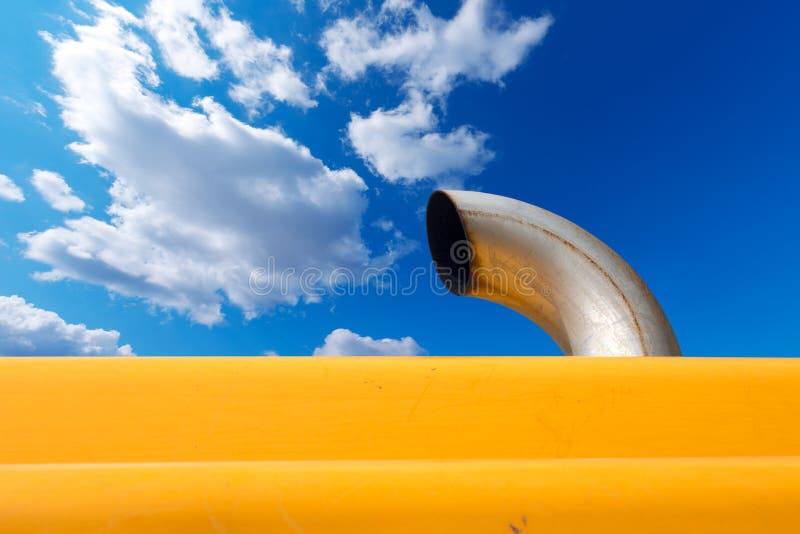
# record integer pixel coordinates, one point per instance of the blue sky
(164, 155)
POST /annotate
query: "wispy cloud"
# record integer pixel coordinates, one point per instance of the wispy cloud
(31, 107)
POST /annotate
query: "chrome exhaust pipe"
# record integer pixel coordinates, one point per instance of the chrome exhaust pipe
(587, 298)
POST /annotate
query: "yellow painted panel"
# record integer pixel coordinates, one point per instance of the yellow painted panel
(727, 496)
(244, 409)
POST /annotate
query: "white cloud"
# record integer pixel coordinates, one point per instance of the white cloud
(56, 192)
(174, 25)
(39, 109)
(200, 199)
(26, 330)
(261, 66)
(433, 52)
(29, 108)
(324, 5)
(343, 342)
(9, 190)
(384, 224)
(402, 144)
(432, 55)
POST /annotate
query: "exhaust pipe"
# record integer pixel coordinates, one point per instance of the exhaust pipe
(587, 298)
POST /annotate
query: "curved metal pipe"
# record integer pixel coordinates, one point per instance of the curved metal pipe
(552, 271)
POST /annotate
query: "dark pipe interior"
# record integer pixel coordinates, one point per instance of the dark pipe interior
(447, 238)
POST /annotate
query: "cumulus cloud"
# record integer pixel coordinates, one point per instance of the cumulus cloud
(56, 192)
(200, 200)
(403, 144)
(432, 55)
(9, 190)
(26, 330)
(261, 66)
(433, 52)
(343, 342)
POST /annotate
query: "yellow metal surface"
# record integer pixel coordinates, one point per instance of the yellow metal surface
(399, 445)
(532, 496)
(229, 409)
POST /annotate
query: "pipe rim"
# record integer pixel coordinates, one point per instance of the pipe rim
(449, 244)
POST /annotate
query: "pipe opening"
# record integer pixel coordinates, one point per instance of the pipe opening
(450, 247)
